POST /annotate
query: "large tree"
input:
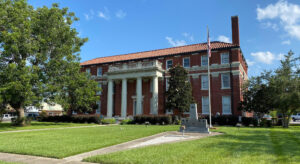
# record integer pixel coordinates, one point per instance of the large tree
(179, 93)
(285, 86)
(277, 90)
(36, 45)
(256, 96)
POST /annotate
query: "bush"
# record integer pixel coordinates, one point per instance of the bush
(265, 123)
(18, 121)
(126, 121)
(73, 119)
(108, 121)
(226, 120)
(246, 121)
(154, 119)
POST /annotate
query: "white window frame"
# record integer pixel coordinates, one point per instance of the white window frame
(99, 75)
(98, 110)
(223, 56)
(88, 70)
(167, 64)
(167, 84)
(189, 62)
(227, 105)
(202, 81)
(222, 75)
(202, 60)
(99, 85)
(203, 105)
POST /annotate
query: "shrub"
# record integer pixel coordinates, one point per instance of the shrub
(265, 123)
(108, 121)
(18, 121)
(74, 119)
(126, 121)
(154, 119)
(246, 121)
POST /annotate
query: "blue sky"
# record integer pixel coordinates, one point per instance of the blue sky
(268, 28)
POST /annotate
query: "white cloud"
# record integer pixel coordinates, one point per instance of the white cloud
(89, 16)
(121, 14)
(286, 42)
(188, 36)
(249, 62)
(266, 57)
(104, 14)
(223, 38)
(270, 25)
(175, 43)
(287, 13)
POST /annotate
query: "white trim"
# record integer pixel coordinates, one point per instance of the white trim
(222, 87)
(222, 56)
(98, 72)
(202, 106)
(189, 62)
(205, 76)
(227, 113)
(167, 63)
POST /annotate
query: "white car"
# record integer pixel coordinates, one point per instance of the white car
(296, 117)
(7, 117)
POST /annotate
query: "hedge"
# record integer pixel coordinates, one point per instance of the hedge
(153, 119)
(73, 119)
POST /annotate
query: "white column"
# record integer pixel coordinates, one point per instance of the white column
(110, 98)
(155, 95)
(139, 95)
(124, 98)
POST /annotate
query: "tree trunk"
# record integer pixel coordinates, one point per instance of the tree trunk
(285, 121)
(21, 116)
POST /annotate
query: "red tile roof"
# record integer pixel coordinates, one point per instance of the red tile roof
(160, 52)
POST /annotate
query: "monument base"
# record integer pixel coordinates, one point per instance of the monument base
(194, 126)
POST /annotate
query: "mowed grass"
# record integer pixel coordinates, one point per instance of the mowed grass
(238, 146)
(6, 126)
(3, 162)
(67, 142)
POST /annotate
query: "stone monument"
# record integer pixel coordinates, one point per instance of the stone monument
(193, 124)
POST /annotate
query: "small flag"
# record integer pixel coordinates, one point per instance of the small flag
(208, 44)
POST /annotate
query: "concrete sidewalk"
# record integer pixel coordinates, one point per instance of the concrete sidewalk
(32, 130)
(156, 139)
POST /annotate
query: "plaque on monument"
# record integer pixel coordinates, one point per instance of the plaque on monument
(193, 124)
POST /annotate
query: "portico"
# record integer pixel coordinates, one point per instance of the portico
(138, 71)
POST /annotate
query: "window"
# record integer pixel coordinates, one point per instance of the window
(74, 112)
(99, 71)
(204, 82)
(226, 105)
(224, 58)
(186, 62)
(205, 105)
(204, 60)
(100, 86)
(169, 64)
(98, 107)
(225, 80)
(88, 70)
(167, 84)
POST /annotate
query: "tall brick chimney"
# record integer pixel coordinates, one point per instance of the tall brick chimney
(235, 30)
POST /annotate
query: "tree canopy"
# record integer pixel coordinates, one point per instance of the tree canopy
(38, 49)
(277, 90)
(179, 92)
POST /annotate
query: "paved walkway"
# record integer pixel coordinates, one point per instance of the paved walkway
(161, 138)
(31, 130)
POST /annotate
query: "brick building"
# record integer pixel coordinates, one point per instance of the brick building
(135, 83)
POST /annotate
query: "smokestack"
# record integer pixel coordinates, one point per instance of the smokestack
(235, 30)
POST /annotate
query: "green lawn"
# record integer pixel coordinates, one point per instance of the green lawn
(39, 125)
(66, 142)
(3, 162)
(247, 145)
